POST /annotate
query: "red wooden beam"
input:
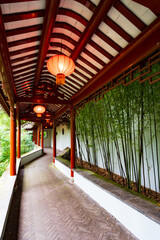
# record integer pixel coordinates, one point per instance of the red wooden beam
(24, 69)
(87, 3)
(54, 141)
(4, 103)
(24, 58)
(61, 111)
(18, 133)
(99, 48)
(109, 41)
(22, 16)
(6, 58)
(72, 141)
(31, 119)
(24, 64)
(96, 19)
(142, 46)
(68, 27)
(63, 37)
(12, 141)
(117, 29)
(50, 16)
(15, 1)
(22, 30)
(42, 136)
(72, 14)
(129, 15)
(34, 100)
(38, 136)
(24, 50)
(24, 41)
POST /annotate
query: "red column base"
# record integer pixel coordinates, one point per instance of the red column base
(72, 173)
(53, 160)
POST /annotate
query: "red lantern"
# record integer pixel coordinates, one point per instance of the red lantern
(39, 110)
(60, 66)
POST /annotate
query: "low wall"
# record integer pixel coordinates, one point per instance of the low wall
(143, 227)
(28, 157)
(7, 184)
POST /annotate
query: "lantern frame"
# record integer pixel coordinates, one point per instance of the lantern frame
(39, 110)
(60, 66)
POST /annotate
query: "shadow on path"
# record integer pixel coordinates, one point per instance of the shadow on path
(12, 226)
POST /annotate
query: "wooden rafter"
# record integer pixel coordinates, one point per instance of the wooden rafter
(143, 45)
(96, 19)
(22, 16)
(50, 15)
(129, 15)
(9, 83)
(4, 103)
(35, 100)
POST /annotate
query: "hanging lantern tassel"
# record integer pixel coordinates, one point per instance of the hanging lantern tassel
(60, 66)
(39, 110)
(60, 79)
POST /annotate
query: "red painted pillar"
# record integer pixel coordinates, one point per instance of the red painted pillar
(12, 141)
(33, 136)
(54, 141)
(72, 141)
(38, 137)
(42, 135)
(19, 138)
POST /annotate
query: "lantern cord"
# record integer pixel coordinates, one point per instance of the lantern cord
(61, 46)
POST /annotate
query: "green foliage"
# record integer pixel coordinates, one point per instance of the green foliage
(126, 122)
(4, 140)
(26, 141)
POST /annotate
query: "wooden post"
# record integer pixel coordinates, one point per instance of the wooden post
(33, 136)
(42, 134)
(12, 141)
(19, 139)
(38, 136)
(72, 141)
(54, 141)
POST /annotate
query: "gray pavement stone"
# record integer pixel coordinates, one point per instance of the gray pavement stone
(46, 206)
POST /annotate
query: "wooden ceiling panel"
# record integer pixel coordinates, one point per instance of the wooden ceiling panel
(35, 55)
(93, 33)
(129, 15)
(24, 50)
(72, 14)
(22, 16)
(113, 25)
(18, 31)
(24, 41)
(22, 65)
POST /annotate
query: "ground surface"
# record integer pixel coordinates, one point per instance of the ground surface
(47, 206)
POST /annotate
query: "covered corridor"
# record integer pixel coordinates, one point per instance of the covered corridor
(46, 205)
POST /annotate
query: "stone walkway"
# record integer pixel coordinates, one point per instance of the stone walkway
(47, 206)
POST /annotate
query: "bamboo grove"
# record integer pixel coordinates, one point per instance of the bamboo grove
(121, 133)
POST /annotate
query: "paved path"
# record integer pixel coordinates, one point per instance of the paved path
(46, 206)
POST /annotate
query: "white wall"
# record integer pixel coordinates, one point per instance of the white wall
(62, 141)
(148, 162)
(47, 141)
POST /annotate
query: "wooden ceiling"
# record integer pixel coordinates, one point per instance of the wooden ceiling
(103, 37)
